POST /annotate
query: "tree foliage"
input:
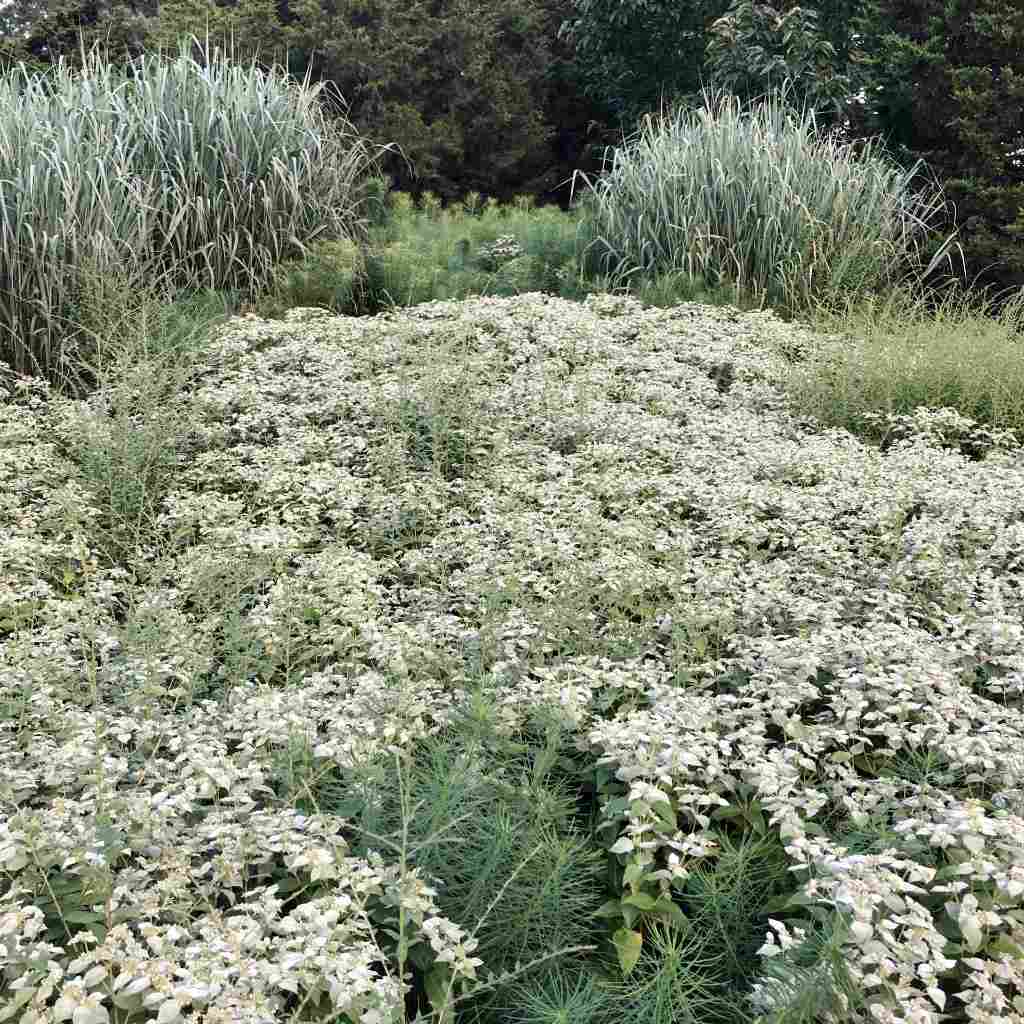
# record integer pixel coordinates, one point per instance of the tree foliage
(458, 84)
(754, 47)
(948, 87)
(630, 53)
(938, 80)
(16, 18)
(38, 33)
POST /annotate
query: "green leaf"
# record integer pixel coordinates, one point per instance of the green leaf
(799, 899)
(668, 910)
(632, 874)
(61, 886)
(421, 956)
(83, 916)
(629, 945)
(610, 909)
(666, 815)
(436, 983)
(775, 904)
(1003, 945)
(640, 900)
(722, 813)
(756, 818)
(617, 807)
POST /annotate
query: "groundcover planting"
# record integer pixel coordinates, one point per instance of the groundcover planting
(761, 642)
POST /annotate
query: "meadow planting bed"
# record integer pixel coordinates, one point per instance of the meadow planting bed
(596, 512)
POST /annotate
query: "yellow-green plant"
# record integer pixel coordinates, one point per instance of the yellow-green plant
(212, 171)
(430, 204)
(330, 277)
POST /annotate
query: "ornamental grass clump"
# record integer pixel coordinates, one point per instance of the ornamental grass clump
(210, 172)
(758, 200)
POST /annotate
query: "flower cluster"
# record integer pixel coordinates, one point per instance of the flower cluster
(741, 616)
(500, 251)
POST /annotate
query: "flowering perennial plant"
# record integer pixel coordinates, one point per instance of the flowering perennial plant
(748, 622)
(501, 250)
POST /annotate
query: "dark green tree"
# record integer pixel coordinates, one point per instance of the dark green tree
(467, 89)
(17, 17)
(631, 53)
(754, 47)
(477, 96)
(41, 32)
(948, 87)
(937, 80)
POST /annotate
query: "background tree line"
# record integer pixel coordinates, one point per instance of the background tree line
(509, 98)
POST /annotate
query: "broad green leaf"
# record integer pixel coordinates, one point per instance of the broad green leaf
(83, 916)
(667, 909)
(798, 899)
(632, 874)
(1004, 946)
(436, 983)
(756, 818)
(666, 815)
(629, 945)
(640, 900)
(421, 956)
(722, 813)
(610, 909)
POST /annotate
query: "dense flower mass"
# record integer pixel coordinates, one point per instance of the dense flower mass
(364, 520)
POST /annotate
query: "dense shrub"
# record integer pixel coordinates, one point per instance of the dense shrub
(756, 198)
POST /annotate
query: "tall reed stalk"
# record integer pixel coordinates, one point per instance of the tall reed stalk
(210, 171)
(755, 198)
